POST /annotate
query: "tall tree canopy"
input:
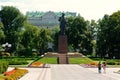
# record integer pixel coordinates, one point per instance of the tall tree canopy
(78, 34)
(13, 22)
(1, 31)
(108, 41)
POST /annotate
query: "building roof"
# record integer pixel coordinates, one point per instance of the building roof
(35, 14)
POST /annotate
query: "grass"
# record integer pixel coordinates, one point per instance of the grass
(83, 60)
(48, 60)
(71, 60)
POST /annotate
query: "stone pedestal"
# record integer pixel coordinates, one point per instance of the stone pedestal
(63, 59)
(62, 50)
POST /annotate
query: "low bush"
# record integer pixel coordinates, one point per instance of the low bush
(17, 62)
(110, 62)
(117, 63)
(3, 66)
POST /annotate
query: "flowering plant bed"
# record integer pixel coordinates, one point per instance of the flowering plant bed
(15, 74)
(90, 65)
(39, 65)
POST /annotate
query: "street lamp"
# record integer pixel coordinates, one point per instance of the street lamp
(79, 45)
(6, 46)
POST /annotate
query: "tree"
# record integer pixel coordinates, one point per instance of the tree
(13, 22)
(102, 35)
(35, 38)
(108, 41)
(45, 35)
(2, 36)
(78, 34)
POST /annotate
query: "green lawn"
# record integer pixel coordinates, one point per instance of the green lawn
(48, 60)
(83, 60)
(71, 60)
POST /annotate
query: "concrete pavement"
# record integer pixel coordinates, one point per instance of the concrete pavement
(36, 74)
(76, 72)
(69, 72)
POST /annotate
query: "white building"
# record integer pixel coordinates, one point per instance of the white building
(48, 19)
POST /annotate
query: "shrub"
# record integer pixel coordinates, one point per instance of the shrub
(117, 63)
(16, 62)
(3, 66)
(110, 62)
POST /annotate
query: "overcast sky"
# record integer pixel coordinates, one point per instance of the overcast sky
(89, 9)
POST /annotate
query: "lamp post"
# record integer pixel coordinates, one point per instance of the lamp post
(6, 46)
(79, 45)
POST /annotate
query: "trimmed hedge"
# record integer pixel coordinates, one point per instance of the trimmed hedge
(110, 62)
(3, 66)
(18, 62)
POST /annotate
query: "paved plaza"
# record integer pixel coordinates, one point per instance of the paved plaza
(69, 72)
(76, 72)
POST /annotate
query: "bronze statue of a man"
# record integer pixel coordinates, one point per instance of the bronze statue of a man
(62, 24)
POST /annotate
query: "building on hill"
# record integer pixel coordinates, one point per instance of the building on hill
(46, 19)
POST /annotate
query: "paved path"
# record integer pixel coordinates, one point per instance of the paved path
(76, 72)
(69, 72)
(36, 74)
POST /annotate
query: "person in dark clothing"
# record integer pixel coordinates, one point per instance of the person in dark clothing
(99, 67)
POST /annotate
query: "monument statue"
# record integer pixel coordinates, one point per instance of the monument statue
(62, 42)
(62, 24)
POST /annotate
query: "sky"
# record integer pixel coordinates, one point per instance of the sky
(89, 9)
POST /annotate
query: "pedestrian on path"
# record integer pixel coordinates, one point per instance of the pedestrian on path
(104, 66)
(99, 67)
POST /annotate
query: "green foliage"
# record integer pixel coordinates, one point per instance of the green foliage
(46, 60)
(80, 60)
(2, 36)
(55, 33)
(108, 35)
(17, 60)
(13, 22)
(78, 34)
(3, 66)
(35, 38)
(71, 60)
(110, 62)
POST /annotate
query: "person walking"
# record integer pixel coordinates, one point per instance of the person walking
(104, 66)
(99, 67)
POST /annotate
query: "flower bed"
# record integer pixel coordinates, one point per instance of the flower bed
(15, 74)
(39, 65)
(90, 65)
(36, 64)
